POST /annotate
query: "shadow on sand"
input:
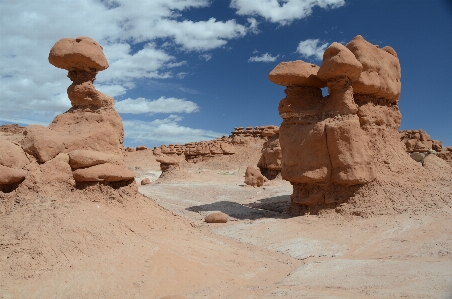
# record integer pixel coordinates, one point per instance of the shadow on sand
(272, 207)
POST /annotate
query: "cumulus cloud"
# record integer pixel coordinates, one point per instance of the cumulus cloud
(164, 131)
(161, 105)
(312, 48)
(33, 90)
(263, 58)
(282, 11)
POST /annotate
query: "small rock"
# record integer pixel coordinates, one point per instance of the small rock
(10, 175)
(141, 148)
(145, 181)
(418, 157)
(218, 217)
(253, 177)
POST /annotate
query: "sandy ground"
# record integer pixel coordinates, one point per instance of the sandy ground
(159, 245)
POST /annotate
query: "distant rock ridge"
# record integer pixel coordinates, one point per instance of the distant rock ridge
(170, 156)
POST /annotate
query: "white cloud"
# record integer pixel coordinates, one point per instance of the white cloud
(263, 58)
(164, 131)
(206, 56)
(253, 25)
(33, 90)
(181, 75)
(161, 105)
(312, 48)
(282, 11)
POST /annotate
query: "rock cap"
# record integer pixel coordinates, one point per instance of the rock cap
(296, 73)
(339, 61)
(81, 53)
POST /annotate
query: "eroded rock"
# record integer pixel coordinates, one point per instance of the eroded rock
(12, 155)
(218, 217)
(10, 175)
(42, 142)
(330, 144)
(86, 158)
(103, 172)
(253, 177)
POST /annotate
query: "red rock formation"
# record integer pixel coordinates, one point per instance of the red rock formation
(270, 162)
(84, 144)
(253, 177)
(330, 144)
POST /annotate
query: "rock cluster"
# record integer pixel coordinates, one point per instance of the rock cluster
(419, 145)
(419, 141)
(84, 144)
(330, 144)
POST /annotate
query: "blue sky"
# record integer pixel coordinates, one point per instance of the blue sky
(188, 70)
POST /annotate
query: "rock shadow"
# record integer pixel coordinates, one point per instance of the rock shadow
(273, 207)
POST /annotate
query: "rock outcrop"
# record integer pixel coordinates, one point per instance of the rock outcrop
(247, 135)
(84, 144)
(253, 177)
(332, 145)
(270, 162)
(419, 145)
(83, 58)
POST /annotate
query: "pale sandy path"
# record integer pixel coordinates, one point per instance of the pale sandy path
(399, 256)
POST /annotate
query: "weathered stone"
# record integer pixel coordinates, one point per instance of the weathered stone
(81, 53)
(86, 158)
(253, 177)
(10, 175)
(103, 172)
(296, 73)
(218, 217)
(145, 181)
(339, 61)
(42, 142)
(12, 155)
(381, 70)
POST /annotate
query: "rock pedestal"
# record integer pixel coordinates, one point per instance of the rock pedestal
(84, 144)
(328, 143)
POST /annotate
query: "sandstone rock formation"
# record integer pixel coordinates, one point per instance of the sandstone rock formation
(84, 58)
(81, 146)
(419, 141)
(253, 177)
(248, 135)
(419, 145)
(332, 145)
(270, 162)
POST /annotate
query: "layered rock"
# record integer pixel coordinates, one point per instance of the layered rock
(83, 58)
(248, 135)
(84, 144)
(197, 151)
(330, 145)
(91, 131)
